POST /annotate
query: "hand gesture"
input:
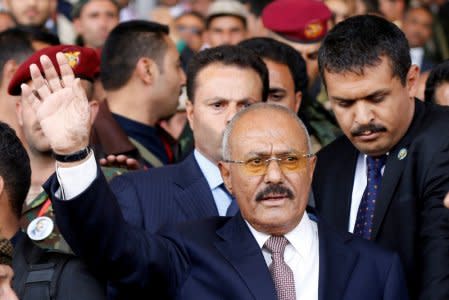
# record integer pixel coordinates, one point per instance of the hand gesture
(60, 104)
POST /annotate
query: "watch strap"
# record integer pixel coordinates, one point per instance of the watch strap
(72, 157)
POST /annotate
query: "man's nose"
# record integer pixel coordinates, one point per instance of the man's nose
(274, 173)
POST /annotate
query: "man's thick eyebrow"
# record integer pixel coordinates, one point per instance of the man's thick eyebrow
(370, 96)
(276, 90)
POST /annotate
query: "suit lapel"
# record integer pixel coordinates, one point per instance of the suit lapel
(343, 189)
(241, 250)
(337, 262)
(394, 168)
(194, 195)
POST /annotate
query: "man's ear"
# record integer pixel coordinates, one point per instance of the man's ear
(226, 175)
(19, 112)
(189, 113)
(147, 70)
(412, 80)
(9, 69)
(312, 164)
(93, 107)
(2, 185)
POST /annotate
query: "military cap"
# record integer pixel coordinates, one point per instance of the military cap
(226, 8)
(85, 63)
(302, 21)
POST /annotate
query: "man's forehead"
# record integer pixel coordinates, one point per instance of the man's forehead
(269, 126)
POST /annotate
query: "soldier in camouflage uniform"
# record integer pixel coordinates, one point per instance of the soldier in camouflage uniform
(41, 207)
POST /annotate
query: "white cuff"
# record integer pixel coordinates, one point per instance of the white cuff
(75, 180)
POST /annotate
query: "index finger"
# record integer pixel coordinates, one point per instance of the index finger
(67, 75)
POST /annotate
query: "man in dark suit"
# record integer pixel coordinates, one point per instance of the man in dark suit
(267, 166)
(193, 188)
(386, 178)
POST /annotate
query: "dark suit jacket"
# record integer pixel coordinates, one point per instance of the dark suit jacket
(216, 258)
(165, 195)
(409, 217)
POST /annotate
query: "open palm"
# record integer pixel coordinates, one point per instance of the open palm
(60, 104)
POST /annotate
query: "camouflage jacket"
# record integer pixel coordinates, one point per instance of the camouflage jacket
(39, 207)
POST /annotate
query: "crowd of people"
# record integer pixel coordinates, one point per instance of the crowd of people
(224, 149)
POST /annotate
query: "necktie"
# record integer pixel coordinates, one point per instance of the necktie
(233, 208)
(6, 250)
(365, 213)
(283, 278)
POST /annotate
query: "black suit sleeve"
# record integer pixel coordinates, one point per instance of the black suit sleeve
(94, 227)
(434, 233)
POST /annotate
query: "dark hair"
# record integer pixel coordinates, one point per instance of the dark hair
(15, 45)
(14, 168)
(40, 34)
(360, 42)
(78, 8)
(126, 44)
(228, 56)
(282, 53)
(438, 75)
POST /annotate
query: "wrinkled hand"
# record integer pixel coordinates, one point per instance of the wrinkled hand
(6, 275)
(60, 104)
(121, 161)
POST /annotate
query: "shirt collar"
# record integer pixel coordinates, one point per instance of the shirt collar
(209, 169)
(301, 237)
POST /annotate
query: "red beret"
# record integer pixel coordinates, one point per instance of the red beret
(85, 63)
(303, 21)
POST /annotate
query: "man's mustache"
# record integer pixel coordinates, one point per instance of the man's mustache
(358, 131)
(274, 190)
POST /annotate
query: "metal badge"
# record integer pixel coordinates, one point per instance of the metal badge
(402, 154)
(40, 228)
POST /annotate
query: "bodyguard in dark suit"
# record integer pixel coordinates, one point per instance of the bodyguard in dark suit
(193, 188)
(267, 166)
(386, 178)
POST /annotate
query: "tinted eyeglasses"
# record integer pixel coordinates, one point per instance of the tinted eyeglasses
(288, 163)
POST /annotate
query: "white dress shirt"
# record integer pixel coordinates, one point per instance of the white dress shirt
(360, 182)
(301, 255)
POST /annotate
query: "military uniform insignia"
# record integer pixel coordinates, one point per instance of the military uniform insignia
(402, 154)
(73, 58)
(313, 30)
(40, 228)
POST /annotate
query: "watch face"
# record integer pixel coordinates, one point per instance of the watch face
(40, 228)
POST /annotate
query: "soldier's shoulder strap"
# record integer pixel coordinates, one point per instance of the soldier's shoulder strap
(42, 269)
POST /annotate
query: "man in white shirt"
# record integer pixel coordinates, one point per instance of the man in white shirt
(267, 167)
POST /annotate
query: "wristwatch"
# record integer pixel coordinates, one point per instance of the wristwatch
(76, 156)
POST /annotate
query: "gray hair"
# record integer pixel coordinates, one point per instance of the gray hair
(226, 153)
